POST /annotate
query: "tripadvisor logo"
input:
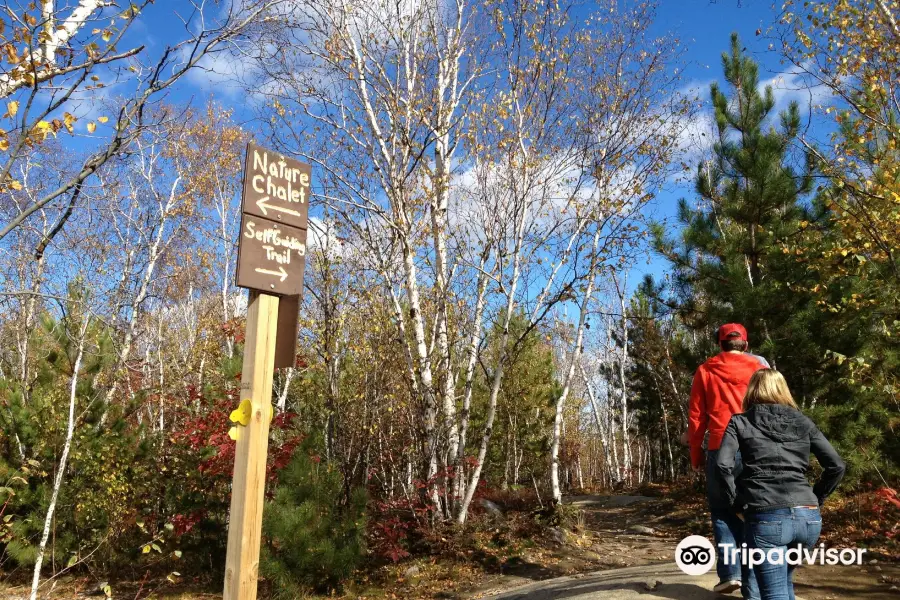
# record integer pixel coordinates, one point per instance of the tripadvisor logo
(695, 555)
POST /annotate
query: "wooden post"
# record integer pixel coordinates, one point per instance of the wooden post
(249, 481)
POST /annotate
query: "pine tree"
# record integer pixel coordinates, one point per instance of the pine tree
(732, 262)
(311, 541)
(756, 251)
(524, 408)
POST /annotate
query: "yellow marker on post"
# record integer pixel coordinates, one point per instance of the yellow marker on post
(242, 413)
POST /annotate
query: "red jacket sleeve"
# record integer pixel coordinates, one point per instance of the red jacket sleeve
(698, 419)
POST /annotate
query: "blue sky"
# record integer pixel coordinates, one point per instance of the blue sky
(704, 27)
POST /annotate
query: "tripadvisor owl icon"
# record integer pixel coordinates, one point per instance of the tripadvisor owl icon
(695, 555)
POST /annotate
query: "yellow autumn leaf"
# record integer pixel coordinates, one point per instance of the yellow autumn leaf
(103, 119)
(233, 433)
(4, 144)
(91, 127)
(44, 128)
(12, 107)
(15, 185)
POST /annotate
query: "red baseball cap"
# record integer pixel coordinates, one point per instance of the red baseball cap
(732, 331)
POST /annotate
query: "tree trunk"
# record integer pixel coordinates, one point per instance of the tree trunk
(623, 381)
(677, 395)
(143, 290)
(424, 371)
(602, 427)
(570, 372)
(665, 414)
(463, 511)
(57, 483)
(282, 396)
(472, 358)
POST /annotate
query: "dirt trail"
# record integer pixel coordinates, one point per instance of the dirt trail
(623, 547)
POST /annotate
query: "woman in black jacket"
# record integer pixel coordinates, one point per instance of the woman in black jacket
(780, 507)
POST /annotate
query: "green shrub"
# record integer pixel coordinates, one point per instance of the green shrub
(311, 542)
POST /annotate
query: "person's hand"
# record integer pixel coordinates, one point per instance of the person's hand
(700, 467)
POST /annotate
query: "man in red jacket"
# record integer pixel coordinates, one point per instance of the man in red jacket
(717, 393)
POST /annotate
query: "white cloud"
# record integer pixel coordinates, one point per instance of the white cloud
(696, 90)
(696, 136)
(322, 236)
(795, 86)
(220, 72)
(698, 132)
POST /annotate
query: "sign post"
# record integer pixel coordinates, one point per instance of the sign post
(271, 260)
(249, 481)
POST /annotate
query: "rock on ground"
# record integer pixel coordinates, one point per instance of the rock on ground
(642, 529)
(490, 507)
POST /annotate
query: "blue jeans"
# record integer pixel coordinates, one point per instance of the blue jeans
(728, 529)
(782, 528)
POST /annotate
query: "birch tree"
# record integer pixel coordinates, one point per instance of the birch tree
(630, 143)
(384, 104)
(75, 327)
(388, 100)
(530, 169)
(61, 57)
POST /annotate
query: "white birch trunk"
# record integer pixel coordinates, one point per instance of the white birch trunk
(61, 468)
(665, 413)
(227, 245)
(448, 98)
(601, 426)
(623, 381)
(423, 361)
(463, 511)
(674, 386)
(570, 373)
(147, 278)
(472, 360)
(42, 61)
(282, 396)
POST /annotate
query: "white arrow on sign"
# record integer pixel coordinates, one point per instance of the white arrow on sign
(282, 274)
(263, 204)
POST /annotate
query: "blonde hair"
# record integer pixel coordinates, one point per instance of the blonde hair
(767, 386)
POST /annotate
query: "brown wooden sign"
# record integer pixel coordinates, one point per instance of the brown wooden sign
(276, 187)
(287, 330)
(271, 257)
